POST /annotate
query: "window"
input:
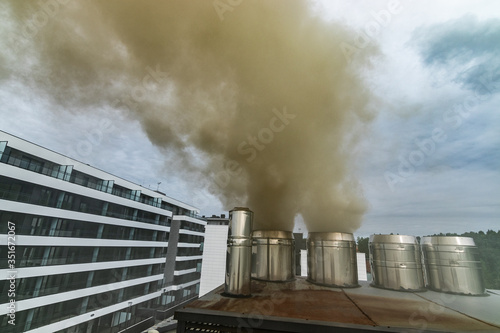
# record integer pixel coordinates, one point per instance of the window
(3, 146)
(35, 224)
(45, 195)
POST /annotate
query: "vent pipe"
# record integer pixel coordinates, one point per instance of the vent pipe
(239, 253)
(273, 255)
(331, 259)
(396, 263)
(452, 265)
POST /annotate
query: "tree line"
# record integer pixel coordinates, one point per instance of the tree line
(488, 245)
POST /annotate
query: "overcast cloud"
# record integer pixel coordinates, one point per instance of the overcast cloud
(428, 163)
(465, 48)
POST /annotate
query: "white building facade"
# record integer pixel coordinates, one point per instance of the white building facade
(214, 254)
(93, 252)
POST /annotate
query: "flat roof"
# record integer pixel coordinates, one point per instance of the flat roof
(300, 306)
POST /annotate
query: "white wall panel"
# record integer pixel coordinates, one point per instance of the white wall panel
(185, 271)
(185, 285)
(60, 325)
(214, 258)
(19, 207)
(26, 272)
(303, 262)
(190, 232)
(66, 296)
(23, 240)
(362, 276)
(188, 219)
(188, 245)
(186, 258)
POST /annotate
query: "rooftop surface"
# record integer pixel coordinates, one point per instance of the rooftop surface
(300, 306)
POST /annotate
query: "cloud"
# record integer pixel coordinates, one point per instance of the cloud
(93, 58)
(466, 48)
(450, 200)
(261, 91)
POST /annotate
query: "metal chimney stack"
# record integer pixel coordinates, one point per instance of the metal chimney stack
(452, 265)
(239, 253)
(273, 255)
(396, 262)
(331, 259)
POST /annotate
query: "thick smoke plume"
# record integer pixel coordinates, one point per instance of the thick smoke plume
(255, 99)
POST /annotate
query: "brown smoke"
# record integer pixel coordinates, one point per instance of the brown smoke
(254, 98)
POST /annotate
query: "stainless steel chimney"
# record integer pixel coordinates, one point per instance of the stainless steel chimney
(396, 262)
(273, 255)
(452, 265)
(239, 253)
(331, 259)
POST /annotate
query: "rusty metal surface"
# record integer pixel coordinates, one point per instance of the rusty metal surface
(485, 308)
(418, 314)
(368, 306)
(285, 300)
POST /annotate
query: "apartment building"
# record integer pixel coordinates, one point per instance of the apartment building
(93, 252)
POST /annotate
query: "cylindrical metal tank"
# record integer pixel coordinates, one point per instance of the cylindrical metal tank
(452, 265)
(331, 259)
(273, 255)
(239, 253)
(396, 262)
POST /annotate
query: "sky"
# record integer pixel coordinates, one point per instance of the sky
(427, 161)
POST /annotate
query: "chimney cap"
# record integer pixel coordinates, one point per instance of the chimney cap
(240, 208)
(399, 239)
(278, 234)
(331, 236)
(448, 240)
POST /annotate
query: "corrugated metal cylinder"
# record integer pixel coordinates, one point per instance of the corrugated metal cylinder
(331, 259)
(239, 253)
(396, 262)
(273, 255)
(452, 265)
